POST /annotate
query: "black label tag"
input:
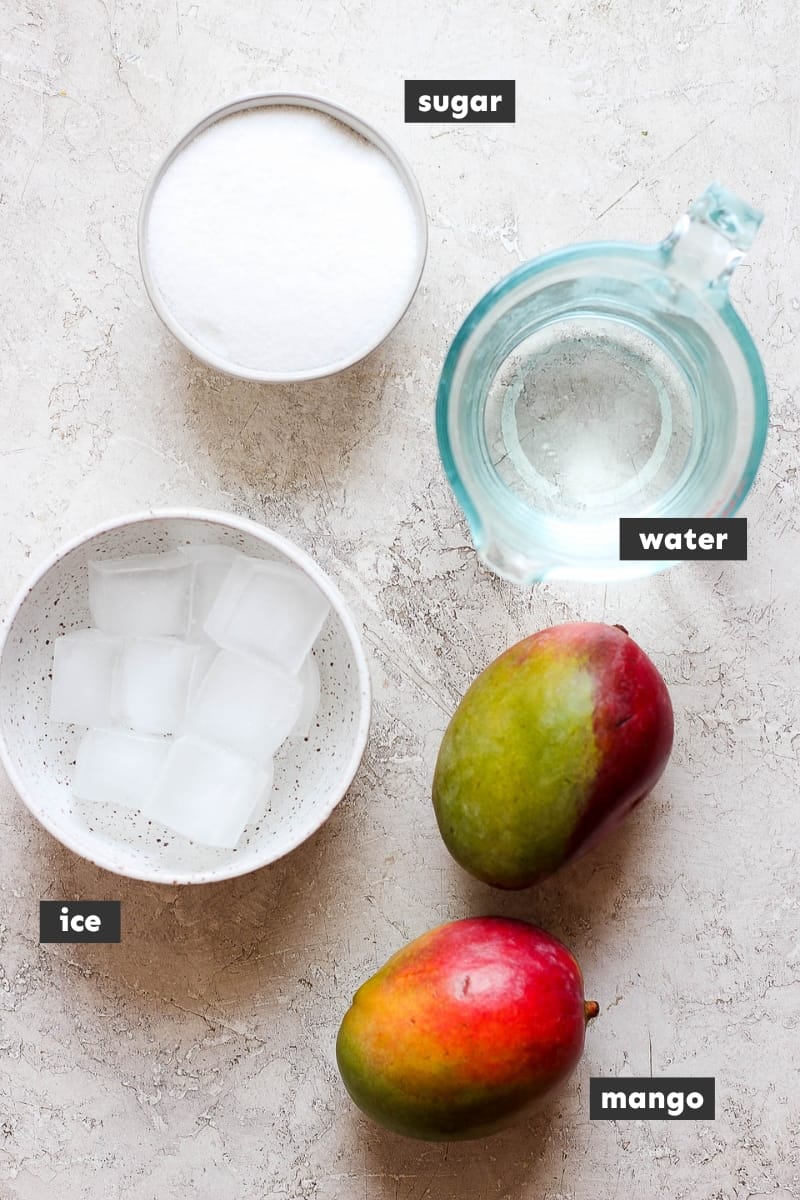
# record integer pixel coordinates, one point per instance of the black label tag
(662, 538)
(666, 1099)
(79, 920)
(461, 100)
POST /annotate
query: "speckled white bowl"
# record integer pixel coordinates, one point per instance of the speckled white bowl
(311, 776)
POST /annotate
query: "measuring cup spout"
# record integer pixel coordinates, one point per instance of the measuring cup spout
(510, 563)
(710, 240)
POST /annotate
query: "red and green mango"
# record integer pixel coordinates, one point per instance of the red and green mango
(464, 1029)
(551, 746)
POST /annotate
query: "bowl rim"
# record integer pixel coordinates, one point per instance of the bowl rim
(289, 99)
(269, 537)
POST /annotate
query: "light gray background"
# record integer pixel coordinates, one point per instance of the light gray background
(196, 1058)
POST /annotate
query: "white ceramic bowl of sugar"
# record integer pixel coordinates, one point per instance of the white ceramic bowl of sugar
(282, 238)
(311, 776)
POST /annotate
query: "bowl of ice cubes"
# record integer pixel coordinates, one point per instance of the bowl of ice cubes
(184, 696)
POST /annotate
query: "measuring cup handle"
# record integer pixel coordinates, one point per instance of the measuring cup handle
(710, 240)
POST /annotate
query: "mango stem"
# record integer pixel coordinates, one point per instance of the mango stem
(590, 1009)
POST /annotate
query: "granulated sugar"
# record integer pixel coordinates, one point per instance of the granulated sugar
(282, 241)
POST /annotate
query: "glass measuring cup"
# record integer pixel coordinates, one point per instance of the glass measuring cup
(605, 380)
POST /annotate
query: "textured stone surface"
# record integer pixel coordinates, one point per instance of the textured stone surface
(196, 1057)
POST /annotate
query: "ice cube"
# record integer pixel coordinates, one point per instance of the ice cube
(145, 595)
(207, 794)
(204, 656)
(308, 678)
(83, 673)
(268, 609)
(210, 566)
(244, 704)
(116, 766)
(152, 684)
